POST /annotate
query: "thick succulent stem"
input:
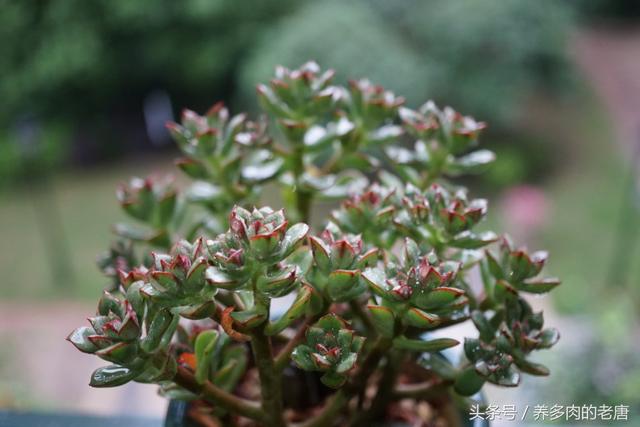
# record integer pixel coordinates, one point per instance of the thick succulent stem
(332, 408)
(362, 315)
(421, 391)
(384, 393)
(303, 198)
(218, 397)
(338, 402)
(303, 205)
(270, 380)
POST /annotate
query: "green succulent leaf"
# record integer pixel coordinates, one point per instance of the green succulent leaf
(205, 345)
(487, 332)
(198, 311)
(320, 253)
(302, 356)
(261, 167)
(504, 290)
(250, 318)
(532, 368)
(344, 285)
(333, 379)
(121, 352)
(233, 367)
(471, 240)
(112, 376)
(494, 266)
(302, 258)
(468, 382)
(280, 284)
(79, 338)
(293, 238)
(420, 319)
(439, 364)
(548, 338)
(218, 278)
(376, 279)
(472, 163)
(383, 319)
(157, 328)
(538, 286)
(438, 297)
(434, 345)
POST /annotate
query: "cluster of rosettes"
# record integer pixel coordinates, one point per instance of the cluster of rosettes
(127, 334)
(331, 347)
(506, 340)
(119, 257)
(516, 270)
(254, 250)
(153, 201)
(177, 281)
(442, 218)
(227, 155)
(457, 132)
(150, 200)
(418, 290)
(373, 108)
(339, 259)
(298, 94)
(442, 138)
(215, 143)
(489, 363)
(523, 332)
(368, 213)
(508, 335)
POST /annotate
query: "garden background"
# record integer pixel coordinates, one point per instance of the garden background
(87, 86)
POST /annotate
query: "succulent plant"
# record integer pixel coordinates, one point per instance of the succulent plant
(331, 348)
(417, 290)
(339, 259)
(152, 202)
(131, 337)
(177, 281)
(255, 248)
(195, 303)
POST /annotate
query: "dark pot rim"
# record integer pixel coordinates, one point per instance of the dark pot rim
(177, 416)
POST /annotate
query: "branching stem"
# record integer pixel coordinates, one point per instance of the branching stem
(218, 396)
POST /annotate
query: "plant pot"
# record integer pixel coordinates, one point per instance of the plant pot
(178, 410)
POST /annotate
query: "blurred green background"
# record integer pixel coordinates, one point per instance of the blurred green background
(87, 86)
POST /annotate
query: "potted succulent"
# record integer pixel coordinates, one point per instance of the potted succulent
(196, 302)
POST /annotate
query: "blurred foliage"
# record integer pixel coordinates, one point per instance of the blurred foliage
(483, 57)
(610, 10)
(90, 65)
(100, 54)
(355, 39)
(31, 151)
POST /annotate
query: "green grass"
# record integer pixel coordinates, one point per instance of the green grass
(582, 234)
(87, 206)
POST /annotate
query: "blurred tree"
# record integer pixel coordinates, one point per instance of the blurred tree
(88, 66)
(347, 36)
(91, 64)
(611, 10)
(485, 58)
